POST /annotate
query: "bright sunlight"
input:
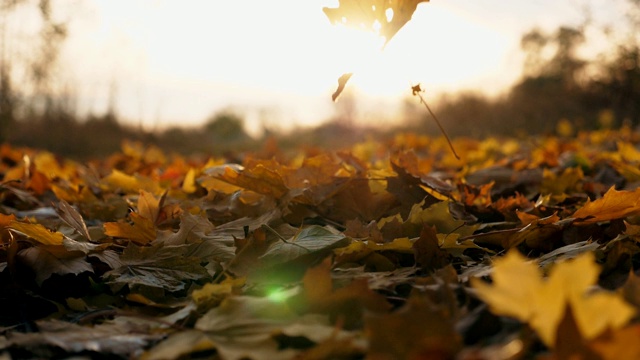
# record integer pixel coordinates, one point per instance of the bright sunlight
(281, 57)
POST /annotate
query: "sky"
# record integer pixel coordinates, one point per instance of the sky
(167, 62)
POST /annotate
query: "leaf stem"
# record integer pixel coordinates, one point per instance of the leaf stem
(417, 91)
(273, 231)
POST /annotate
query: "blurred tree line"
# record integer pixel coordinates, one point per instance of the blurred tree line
(557, 86)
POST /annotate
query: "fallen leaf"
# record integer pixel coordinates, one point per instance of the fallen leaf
(309, 240)
(519, 291)
(149, 206)
(157, 266)
(178, 345)
(122, 340)
(621, 344)
(72, 217)
(259, 179)
(427, 252)
(48, 260)
(418, 330)
(119, 181)
(37, 232)
(612, 205)
(141, 232)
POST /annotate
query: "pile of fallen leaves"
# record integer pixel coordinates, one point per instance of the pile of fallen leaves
(523, 249)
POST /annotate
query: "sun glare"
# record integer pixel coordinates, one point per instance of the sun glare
(437, 48)
(174, 60)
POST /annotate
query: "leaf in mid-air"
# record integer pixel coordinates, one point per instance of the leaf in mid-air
(520, 291)
(386, 17)
(342, 82)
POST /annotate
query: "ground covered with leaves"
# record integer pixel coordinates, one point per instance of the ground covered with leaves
(386, 250)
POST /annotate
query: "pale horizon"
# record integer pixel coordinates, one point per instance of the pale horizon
(174, 63)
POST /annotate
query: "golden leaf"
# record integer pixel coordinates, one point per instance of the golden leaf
(613, 205)
(37, 232)
(141, 232)
(519, 291)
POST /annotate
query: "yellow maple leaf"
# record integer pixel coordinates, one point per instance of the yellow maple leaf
(37, 232)
(613, 205)
(520, 291)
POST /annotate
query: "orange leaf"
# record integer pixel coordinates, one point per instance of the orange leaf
(5, 220)
(613, 205)
(149, 206)
(621, 344)
(141, 232)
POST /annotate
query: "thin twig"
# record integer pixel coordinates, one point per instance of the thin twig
(417, 91)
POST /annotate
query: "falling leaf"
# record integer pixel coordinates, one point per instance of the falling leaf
(519, 291)
(389, 15)
(342, 82)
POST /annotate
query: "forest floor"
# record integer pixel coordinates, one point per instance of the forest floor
(520, 249)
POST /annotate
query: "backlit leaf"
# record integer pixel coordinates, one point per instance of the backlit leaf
(389, 15)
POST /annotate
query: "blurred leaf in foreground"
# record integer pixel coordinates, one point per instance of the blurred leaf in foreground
(519, 291)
